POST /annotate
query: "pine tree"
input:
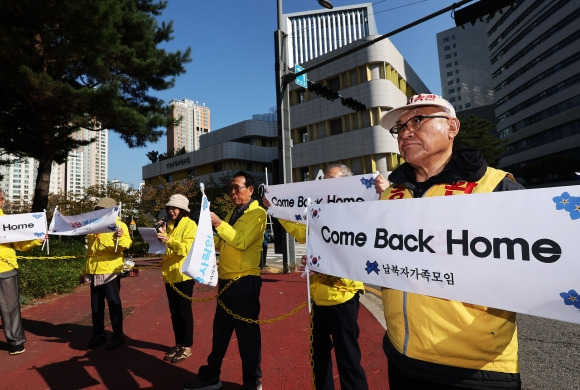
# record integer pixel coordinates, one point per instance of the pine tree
(91, 64)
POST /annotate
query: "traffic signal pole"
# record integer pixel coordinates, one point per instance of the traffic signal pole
(284, 137)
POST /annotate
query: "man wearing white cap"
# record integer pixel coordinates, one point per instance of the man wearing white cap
(434, 343)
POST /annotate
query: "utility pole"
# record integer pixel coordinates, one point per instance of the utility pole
(284, 138)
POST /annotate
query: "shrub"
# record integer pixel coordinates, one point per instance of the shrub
(44, 276)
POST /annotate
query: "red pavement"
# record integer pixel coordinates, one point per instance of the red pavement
(56, 328)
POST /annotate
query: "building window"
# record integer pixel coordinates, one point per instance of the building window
(447, 48)
(335, 126)
(447, 56)
(448, 65)
(450, 73)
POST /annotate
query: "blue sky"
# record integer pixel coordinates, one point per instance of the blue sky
(232, 71)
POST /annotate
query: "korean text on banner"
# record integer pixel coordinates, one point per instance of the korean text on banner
(98, 221)
(483, 249)
(200, 263)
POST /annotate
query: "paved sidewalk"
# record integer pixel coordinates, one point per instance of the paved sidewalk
(57, 327)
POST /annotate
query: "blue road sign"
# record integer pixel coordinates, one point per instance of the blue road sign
(300, 80)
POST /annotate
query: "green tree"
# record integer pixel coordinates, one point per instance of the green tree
(154, 199)
(153, 156)
(67, 65)
(477, 133)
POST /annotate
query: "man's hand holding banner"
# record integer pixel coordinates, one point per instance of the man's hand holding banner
(516, 250)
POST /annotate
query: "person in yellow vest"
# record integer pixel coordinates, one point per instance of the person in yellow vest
(239, 239)
(178, 235)
(334, 315)
(434, 343)
(9, 295)
(103, 271)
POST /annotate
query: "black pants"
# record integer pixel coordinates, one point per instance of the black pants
(337, 326)
(242, 298)
(111, 292)
(181, 312)
(264, 256)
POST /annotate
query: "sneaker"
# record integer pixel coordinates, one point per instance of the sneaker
(95, 341)
(198, 384)
(182, 354)
(169, 355)
(17, 349)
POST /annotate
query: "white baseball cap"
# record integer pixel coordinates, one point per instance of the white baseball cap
(390, 118)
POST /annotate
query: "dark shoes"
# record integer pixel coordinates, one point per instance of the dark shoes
(116, 342)
(101, 339)
(95, 341)
(16, 349)
(198, 384)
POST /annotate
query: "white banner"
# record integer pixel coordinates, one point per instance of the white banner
(22, 227)
(288, 201)
(98, 221)
(200, 263)
(516, 250)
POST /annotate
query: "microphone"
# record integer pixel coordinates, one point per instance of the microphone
(162, 222)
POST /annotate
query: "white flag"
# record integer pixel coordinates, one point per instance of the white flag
(22, 227)
(200, 263)
(98, 221)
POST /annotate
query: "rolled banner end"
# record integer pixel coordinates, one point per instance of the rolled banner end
(202, 187)
(376, 174)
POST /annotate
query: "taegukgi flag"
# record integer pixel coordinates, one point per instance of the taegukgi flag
(514, 250)
(97, 221)
(288, 201)
(22, 227)
(200, 262)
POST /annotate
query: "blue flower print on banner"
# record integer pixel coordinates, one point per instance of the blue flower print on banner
(368, 183)
(568, 203)
(571, 298)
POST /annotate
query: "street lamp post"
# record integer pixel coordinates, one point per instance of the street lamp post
(283, 123)
(284, 139)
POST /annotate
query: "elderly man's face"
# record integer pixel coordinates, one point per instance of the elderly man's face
(239, 192)
(433, 137)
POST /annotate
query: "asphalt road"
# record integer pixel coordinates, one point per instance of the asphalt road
(549, 349)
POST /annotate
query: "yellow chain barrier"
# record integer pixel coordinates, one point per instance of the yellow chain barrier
(237, 316)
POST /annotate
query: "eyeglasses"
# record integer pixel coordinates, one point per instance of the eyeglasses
(236, 188)
(412, 124)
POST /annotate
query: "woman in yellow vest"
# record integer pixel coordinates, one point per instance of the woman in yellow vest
(103, 270)
(178, 235)
(334, 316)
